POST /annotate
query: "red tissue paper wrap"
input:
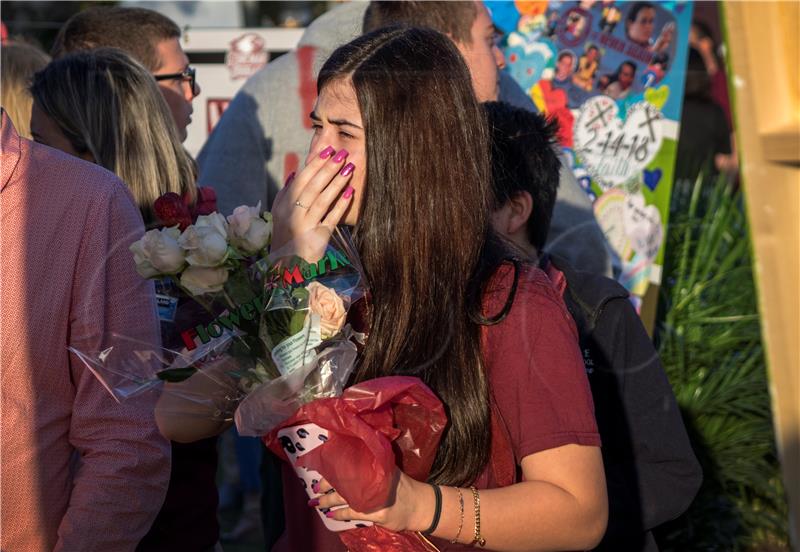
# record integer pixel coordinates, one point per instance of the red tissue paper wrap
(372, 427)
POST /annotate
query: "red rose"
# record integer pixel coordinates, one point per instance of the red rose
(171, 210)
(206, 201)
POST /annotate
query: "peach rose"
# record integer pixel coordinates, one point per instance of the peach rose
(325, 303)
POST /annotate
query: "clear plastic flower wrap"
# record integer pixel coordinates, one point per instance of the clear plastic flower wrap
(269, 332)
(128, 368)
(306, 326)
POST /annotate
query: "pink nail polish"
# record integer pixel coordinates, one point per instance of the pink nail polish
(348, 169)
(329, 515)
(348, 192)
(290, 178)
(315, 488)
(341, 156)
(313, 502)
(327, 152)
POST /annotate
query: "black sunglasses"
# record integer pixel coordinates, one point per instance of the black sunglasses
(187, 74)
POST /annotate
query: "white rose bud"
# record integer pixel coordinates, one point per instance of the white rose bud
(158, 252)
(214, 220)
(247, 230)
(206, 241)
(239, 220)
(199, 280)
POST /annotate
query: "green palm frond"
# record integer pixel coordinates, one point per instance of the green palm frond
(709, 340)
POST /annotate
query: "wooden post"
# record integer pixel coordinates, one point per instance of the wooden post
(765, 78)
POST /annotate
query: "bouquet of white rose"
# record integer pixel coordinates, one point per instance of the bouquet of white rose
(276, 321)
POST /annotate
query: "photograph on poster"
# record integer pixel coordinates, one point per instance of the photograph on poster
(612, 75)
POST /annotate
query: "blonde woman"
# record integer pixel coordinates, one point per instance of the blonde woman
(19, 62)
(105, 107)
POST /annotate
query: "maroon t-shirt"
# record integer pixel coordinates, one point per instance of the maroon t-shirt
(541, 397)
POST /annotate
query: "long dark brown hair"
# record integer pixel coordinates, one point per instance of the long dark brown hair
(423, 226)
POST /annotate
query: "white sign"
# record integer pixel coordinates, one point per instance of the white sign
(241, 53)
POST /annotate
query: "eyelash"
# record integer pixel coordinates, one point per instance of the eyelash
(316, 127)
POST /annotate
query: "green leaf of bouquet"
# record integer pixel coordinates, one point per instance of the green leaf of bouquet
(300, 296)
(275, 326)
(239, 287)
(297, 322)
(235, 254)
(176, 375)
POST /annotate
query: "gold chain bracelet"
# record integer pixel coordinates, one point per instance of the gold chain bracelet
(461, 522)
(476, 502)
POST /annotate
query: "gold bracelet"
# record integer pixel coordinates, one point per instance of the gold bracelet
(476, 502)
(460, 523)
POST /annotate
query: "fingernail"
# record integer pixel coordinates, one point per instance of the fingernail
(290, 178)
(327, 152)
(315, 487)
(331, 490)
(348, 169)
(329, 515)
(340, 156)
(313, 502)
(348, 192)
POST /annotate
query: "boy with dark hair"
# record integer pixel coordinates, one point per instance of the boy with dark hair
(150, 38)
(523, 145)
(651, 471)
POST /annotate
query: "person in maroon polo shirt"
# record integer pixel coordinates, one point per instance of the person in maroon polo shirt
(651, 470)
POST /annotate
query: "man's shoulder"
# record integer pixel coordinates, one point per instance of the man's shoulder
(84, 178)
(69, 184)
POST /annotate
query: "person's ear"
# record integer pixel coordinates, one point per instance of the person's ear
(519, 209)
(500, 219)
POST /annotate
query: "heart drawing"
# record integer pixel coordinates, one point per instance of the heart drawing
(615, 151)
(527, 60)
(643, 226)
(652, 178)
(657, 96)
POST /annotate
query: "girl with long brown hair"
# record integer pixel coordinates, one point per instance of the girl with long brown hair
(401, 152)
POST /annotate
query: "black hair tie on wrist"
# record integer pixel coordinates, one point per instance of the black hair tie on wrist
(437, 512)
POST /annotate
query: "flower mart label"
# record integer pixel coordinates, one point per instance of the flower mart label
(295, 351)
(301, 273)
